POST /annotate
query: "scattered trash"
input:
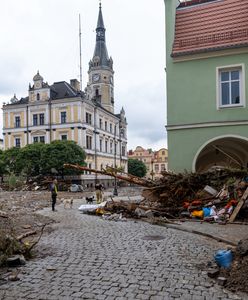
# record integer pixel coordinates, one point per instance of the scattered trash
(76, 188)
(223, 258)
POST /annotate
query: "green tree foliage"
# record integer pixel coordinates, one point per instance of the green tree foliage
(42, 159)
(136, 167)
(60, 152)
(10, 160)
(2, 164)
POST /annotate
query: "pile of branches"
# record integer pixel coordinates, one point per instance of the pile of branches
(174, 189)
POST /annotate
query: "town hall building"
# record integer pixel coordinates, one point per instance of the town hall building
(62, 111)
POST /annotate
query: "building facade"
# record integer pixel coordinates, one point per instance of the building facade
(155, 161)
(62, 111)
(207, 67)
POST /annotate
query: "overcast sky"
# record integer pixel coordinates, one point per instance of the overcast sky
(43, 35)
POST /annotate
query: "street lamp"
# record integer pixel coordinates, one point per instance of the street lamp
(115, 192)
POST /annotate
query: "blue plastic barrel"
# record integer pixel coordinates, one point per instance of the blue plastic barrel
(223, 258)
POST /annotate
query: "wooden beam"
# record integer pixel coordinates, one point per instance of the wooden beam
(239, 206)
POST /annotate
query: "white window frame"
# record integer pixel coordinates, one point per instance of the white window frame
(241, 68)
(38, 137)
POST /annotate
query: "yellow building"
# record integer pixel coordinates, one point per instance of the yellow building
(62, 111)
(155, 161)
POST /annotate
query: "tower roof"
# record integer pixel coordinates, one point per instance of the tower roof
(100, 23)
(100, 56)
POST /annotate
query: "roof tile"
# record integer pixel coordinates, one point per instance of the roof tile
(210, 25)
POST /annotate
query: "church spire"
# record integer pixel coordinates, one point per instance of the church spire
(100, 56)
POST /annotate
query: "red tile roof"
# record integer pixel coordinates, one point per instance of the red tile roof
(207, 25)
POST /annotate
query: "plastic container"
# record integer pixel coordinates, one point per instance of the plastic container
(223, 258)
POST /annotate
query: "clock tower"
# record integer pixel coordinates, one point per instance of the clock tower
(100, 86)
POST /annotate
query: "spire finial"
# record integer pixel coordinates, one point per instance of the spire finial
(100, 4)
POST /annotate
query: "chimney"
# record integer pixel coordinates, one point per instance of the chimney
(75, 84)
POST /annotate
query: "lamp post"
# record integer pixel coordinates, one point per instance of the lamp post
(115, 192)
(152, 173)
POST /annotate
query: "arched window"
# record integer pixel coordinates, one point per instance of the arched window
(38, 97)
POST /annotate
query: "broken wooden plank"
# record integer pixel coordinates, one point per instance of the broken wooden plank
(26, 234)
(239, 206)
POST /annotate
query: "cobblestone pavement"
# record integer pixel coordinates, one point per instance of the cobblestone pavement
(85, 257)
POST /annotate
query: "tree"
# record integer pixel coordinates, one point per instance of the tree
(29, 159)
(56, 154)
(10, 160)
(136, 167)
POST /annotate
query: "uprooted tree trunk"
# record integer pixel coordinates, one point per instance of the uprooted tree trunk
(10, 244)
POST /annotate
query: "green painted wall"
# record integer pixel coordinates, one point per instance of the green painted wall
(184, 144)
(191, 98)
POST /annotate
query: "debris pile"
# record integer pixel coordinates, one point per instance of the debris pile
(236, 277)
(212, 196)
(218, 195)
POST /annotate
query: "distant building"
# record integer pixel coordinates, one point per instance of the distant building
(155, 161)
(62, 111)
(207, 90)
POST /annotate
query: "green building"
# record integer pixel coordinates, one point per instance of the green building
(207, 88)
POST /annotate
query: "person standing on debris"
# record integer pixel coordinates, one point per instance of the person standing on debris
(54, 192)
(99, 192)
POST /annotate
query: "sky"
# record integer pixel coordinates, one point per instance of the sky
(44, 35)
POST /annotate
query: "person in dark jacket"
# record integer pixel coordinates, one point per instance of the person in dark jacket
(54, 193)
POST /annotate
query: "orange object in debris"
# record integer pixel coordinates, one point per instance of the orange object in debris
(197, 214)
(186, 205)
(196, 202)
(232, 202)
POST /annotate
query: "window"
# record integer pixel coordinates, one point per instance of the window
(17, 121)
(100, 123)
(163, 167)
(88, 142)
(123, 152)
(88, 118)
(63, 117)
(163, 152)
(111, 147)
(106, 125)
(35, 120)
(230, 86)
(38, 97)
(106, 146)
(64, 137)
(39, 139)
(110, 128)
(100, 145)
(18, 142)
(156, 168)
(42, 119)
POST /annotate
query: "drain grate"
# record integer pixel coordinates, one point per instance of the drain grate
(153, 237)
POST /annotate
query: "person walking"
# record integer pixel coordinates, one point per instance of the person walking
(54, 192)
(99, 191)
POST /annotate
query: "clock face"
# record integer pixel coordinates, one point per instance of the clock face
(37, 84)
(95, 77)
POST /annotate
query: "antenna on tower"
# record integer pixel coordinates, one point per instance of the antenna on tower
(80, 52)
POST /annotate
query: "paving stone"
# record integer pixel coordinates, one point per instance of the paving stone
(113, 261)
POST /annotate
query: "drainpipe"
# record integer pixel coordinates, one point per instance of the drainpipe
(27, 124)
(50, 118)
(95, 133)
